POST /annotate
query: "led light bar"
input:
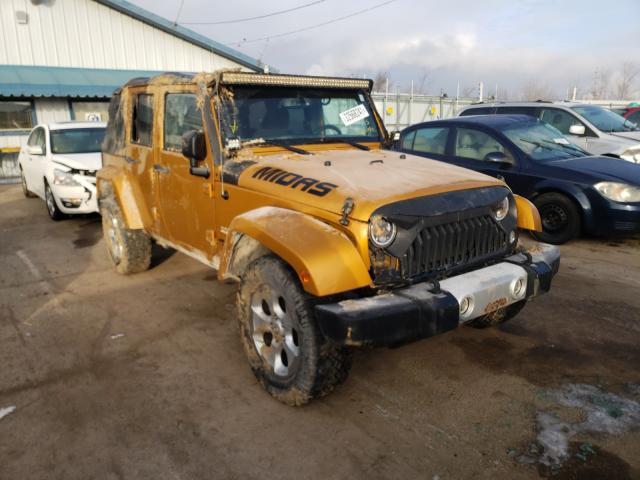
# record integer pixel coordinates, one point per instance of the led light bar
(240, 78)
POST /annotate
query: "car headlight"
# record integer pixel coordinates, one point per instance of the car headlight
(60, 177)
(619, 192)
(631, 156)
(501, 209)
(381, 231)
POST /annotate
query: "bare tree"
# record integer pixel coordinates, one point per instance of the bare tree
(535, 90)
(468, 92)
(380, 81)
(422, 85)
(625, 86)
(600, 85)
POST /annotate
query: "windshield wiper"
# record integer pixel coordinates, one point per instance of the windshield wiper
(348, 142)
(537, 144)
(579, 152)
(291, 148)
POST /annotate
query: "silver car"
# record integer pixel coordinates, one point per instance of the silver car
(597, 130)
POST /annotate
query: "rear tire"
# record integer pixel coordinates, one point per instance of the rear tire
(27, 193)
(50, 201)
(129, 250)
(287, 352)
(560, 218)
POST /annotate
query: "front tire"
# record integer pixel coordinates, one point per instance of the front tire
(560, 218)
(287, 352)
(129, 250)
(52, 207)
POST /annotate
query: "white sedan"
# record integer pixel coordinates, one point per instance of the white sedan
(59, 165)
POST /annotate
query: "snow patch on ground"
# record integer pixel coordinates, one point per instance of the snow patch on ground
(604, 413)
(7, 411)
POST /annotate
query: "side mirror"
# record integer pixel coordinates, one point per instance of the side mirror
(194, 148)
(35, 150)
(498, 157)
(394, 139)
(577, 130)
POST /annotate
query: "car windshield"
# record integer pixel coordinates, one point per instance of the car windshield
(604, 119)
(77, 140)
(297, 115)
(542, 142)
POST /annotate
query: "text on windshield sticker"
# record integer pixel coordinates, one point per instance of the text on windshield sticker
(354, 114)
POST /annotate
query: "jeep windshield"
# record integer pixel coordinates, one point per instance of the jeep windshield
(297, 115)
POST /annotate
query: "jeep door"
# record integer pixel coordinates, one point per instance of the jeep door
(141, 148)
(186, 201)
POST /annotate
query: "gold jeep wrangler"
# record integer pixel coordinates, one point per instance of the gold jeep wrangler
(283, 183)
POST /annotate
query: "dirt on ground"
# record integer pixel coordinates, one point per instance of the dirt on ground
(104, 376)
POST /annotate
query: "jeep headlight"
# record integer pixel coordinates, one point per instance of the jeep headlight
(618, 192)
(60, 177)
(631, 155)
(501, 209)
(382, 232)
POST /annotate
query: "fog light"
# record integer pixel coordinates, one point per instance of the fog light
(466, 306)
(518, 287)
(71, 202)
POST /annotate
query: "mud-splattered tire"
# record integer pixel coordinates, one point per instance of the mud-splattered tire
(129, 250)
(499, 316)
(27, 193)
(286, 350)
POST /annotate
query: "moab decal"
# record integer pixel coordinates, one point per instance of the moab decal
(293, 180)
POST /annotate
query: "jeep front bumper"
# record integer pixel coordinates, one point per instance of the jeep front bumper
(419, 311)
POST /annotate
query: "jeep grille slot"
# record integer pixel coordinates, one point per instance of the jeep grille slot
(447, 246)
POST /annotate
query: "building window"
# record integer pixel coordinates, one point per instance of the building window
(90, 111)
(181, 114)
(16, 115)
(142, 119)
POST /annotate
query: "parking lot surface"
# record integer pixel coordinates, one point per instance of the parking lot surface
(143, 377)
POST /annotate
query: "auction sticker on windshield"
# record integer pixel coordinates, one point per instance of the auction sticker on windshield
(354, 114)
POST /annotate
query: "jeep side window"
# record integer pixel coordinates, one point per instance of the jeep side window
(181, 114)
(142, 119)
(431, 140)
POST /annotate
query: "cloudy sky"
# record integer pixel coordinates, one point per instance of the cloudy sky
(517, 44)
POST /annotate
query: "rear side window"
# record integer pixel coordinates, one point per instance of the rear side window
(181, 114)
(477, 111)
(142, 119)
(431, 140)
(514, 110)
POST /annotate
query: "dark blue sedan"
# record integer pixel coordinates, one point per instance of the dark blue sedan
(573, 191)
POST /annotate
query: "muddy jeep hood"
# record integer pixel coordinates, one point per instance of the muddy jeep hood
(371, 178)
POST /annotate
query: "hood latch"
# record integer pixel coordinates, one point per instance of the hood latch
(347, 208)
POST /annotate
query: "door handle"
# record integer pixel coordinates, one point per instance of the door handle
(131, 161)
(160, 169)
